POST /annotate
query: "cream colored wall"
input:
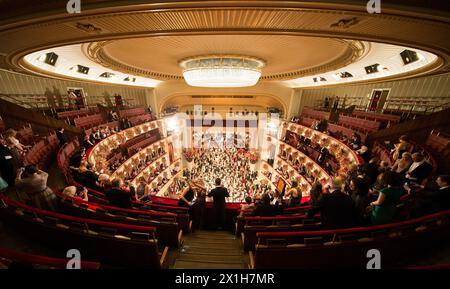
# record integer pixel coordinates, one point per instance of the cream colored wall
(278, 90)
(16, 83)
(422, 87)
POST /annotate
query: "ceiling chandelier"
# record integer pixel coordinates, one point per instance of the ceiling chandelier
(221, 70)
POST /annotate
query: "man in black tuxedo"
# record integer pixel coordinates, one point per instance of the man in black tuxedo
(61, 136)
(432, 201)
(219, 194)
(336, 208)
(118, 197)
(6, 163)
(419, 170)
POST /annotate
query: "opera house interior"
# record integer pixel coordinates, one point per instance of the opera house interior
(181, 134)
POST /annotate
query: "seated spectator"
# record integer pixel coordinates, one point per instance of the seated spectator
(143, 191)
(294, 195)
(13, 142)
(76, 192)
(384, 167)
(335, 207)
(432, 201)
(355, 141)
(401, 166)
(419, 169)
(402, 146)
(103, 182)
(77, 157)
(88, 142)
(86, 176)
(118, 197)
(277, 200)
(247, 208)
(364, 153)
(383, 210)
(33, 182)
(264, 208)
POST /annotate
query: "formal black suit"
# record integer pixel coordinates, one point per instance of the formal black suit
(428, 202)
(61, 137)
(421, 172)
(118, 198)
(219, 194)
(336, 210)
(266, 210)
(7, 165)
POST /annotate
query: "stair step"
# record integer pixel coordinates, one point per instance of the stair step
(210, 258)
(182, 264)
(211, 251)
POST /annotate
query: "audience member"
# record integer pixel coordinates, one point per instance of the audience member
(419, 169)
(383, 210)
(335, 207)
(33, 182)
(118, 197)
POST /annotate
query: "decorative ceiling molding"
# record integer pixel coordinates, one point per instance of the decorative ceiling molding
(300, 18)
(355, 50)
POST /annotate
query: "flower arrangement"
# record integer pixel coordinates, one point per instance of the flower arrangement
(252, 156)
(188, 155)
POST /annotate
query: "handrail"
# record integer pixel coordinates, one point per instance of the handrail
(312, 160)
(356, 229)
(18, 101)
(22, 257)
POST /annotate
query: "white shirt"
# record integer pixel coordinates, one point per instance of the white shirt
(414, 166)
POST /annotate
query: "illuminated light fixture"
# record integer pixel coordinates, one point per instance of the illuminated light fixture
(49, 58)
(107, 74)
(372, 68)
(82, 69)
(221, 70)
(409, 56)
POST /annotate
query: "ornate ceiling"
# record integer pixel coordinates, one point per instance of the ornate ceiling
(297, 38)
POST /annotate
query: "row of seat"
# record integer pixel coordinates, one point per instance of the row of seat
(71, 114)
(127, 113)
(43, 152)
(315, 114)
(88, 121)
(363, 125)
(380, 117)
(14, 259)
(348, 247)
(168, 231)
(135, 120)
(115, 244)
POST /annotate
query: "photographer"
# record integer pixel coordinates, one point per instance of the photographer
(33, 182)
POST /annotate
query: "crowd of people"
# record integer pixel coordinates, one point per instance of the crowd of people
(230, 165)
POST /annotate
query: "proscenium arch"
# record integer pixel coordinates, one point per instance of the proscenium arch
(273, 99)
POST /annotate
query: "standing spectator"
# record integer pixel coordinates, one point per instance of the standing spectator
(118, 197)
(7, 163)
(61, 136)
(384, 208)
(335, 207)
(33, 182)
(359, 191)
(219, 194)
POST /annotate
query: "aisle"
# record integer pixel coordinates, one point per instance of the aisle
(211, 250)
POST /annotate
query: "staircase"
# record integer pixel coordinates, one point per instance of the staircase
(211, 250)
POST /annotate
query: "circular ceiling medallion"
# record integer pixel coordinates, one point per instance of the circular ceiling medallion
(286, 57)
